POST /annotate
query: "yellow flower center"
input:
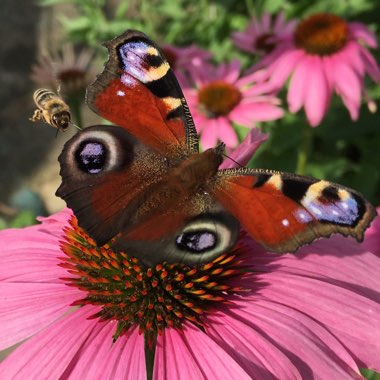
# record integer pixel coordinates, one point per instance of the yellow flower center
(321, 34)
(218, 98)
(152, 298)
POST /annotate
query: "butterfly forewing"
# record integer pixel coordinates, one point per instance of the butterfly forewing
(137, 90)
(284, 211)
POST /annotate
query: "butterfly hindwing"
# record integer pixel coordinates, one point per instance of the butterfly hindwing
(283, 211)
(103, 181)
(138, 90)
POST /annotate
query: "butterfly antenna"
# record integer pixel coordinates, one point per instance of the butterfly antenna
(56, 134)
(76, 126)
(237, 163)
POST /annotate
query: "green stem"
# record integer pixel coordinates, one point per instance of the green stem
(304, 149)
(75, 107)
(150, 349)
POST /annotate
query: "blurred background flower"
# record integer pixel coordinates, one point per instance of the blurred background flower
(325, 54)
(262, 35)
(222, 97)
(71, 71)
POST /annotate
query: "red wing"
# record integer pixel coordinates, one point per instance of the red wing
(284, 211)
(137, 90)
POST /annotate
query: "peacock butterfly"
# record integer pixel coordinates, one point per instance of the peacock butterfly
(144, 188)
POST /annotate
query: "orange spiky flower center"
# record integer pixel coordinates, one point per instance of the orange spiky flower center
(321, 34)
(218, 98)
(151, 298)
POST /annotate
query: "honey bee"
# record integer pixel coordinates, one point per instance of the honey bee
(52, 109)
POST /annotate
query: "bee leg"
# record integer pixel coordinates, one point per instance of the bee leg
(36, 116)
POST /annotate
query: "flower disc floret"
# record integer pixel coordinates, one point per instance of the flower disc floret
(151, 298)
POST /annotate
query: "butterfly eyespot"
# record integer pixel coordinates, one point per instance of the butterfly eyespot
(91, 156)
(197, 242)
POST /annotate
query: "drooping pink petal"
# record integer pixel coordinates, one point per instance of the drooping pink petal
(371, 66)
(53, 223)
(200, 357)
(226, 133)
(338, 260)
(283, 66)
(22, 313)
(298, 86)
(245, 151)
(100, 358)
(256, 89)
(313, 350)
(47, 354)
(340, 295)
(351, 55)
(210, 134)
(279, 23)
(233, 72)
(317, 98)
(254, 352)
(29, 255)
(348, 85)
(243, 41)
(248, 112)
(265, 22)
(360, 32)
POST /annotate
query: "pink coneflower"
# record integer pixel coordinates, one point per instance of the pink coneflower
(222, 97)
(261, 36)
(248, 314)
(325, 54)
(91, 313)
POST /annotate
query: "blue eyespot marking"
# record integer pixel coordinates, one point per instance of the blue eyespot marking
(91, 157)
(197, 242)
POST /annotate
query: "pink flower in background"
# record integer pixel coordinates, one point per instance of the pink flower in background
(262, 35)
(221, 97)
(70, 71)
(187, 57)
(245, 151)
(184, 59)
(326, 54)
(314, 314)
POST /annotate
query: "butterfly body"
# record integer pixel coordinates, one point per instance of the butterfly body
(143, 187)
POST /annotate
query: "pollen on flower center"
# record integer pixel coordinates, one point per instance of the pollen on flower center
(321, 34)
(152, 298)
(218, 98)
